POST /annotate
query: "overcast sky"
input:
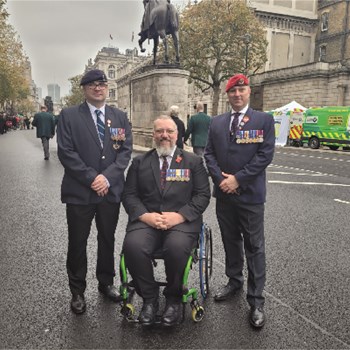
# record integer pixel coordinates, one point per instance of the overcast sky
(60, 36)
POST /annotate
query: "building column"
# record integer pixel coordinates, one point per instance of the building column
(341, 95)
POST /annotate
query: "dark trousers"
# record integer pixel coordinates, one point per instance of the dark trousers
(79, 219)
(46, 145)
(139, 245)
(242, 231)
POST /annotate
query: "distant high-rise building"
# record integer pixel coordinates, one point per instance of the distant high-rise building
(53, 90)
(39, 92)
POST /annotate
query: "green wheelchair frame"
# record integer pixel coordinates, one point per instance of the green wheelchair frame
(203, 254)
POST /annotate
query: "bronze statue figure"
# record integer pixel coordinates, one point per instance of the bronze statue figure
(159, 20)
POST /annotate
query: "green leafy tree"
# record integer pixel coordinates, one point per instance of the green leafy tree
(219, 38)
(76, 95)
(13, 63)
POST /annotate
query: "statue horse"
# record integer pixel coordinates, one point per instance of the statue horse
(159, 20)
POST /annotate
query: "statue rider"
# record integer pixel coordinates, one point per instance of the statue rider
(146, 20)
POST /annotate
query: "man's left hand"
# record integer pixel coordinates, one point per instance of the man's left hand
(229, 184)
(171, 219)
(100, 185)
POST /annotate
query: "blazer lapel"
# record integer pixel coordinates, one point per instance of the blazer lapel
(107, 139)
(227, 128)
(156, 169)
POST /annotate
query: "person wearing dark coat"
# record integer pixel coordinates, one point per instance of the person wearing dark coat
(166, 192)
(174, 114)
(45, 129)
(94, 146)
(198, 126)
(240, 146)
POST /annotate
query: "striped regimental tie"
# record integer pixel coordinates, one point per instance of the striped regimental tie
(163, 173)
(100, 125)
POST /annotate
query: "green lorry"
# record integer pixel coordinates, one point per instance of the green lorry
(329, 126)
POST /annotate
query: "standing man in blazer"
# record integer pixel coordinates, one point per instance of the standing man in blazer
(166, 192)
(45, 129)
(198, 126)
(240, 146)
(94, 147)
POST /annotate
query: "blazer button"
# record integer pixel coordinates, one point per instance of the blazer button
(103, 157)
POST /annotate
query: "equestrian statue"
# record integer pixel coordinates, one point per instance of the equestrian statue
(159, 20)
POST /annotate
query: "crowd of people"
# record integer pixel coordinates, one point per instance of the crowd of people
(14, 122)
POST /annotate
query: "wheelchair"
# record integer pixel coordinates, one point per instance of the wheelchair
(203, 254)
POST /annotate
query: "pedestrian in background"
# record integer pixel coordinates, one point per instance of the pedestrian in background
(174, 114)
(94, 147)
(2, 123)
(45, 129)
(198, 126)
(240, 146)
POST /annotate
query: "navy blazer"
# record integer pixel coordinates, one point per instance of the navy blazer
(247, 161)
(83, 158)
(143, 194)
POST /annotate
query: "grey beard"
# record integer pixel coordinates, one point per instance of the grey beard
(164, 151)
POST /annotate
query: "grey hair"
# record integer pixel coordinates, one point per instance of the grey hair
(174, 111)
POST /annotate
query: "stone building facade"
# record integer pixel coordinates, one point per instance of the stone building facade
(325, 81)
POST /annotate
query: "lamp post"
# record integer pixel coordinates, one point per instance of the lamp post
(247, 39)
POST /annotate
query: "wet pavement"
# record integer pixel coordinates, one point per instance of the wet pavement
(307, 244)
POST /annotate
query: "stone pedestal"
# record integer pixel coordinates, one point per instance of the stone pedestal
(153, 91)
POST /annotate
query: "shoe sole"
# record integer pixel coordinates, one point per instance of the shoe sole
(257, 326)
(78, 312)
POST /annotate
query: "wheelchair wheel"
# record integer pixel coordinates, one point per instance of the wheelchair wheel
(128, 311)
(198, 314)
(205, 259)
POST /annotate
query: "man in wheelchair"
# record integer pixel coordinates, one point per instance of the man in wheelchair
(166, 192)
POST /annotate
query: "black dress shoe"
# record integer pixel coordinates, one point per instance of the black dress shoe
(110, 292)
(173, 314)
(257, 317)
(148, 313)
(78, 304)
(224, 292)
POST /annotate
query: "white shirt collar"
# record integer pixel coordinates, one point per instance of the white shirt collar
(93, 109)
(242, 111)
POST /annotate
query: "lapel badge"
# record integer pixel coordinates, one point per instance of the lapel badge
(178, 159)
(109, 123)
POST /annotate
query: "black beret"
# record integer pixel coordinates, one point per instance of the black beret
(93, 75)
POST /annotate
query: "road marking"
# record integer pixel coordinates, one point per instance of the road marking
(295, 174)
(305, 170)
(341, 201)
(307, 320)
(306, 183)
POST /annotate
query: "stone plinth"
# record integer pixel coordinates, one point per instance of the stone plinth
(153, 91)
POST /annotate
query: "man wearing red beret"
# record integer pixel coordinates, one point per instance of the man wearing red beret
(240, 146)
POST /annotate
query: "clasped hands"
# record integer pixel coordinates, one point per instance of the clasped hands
(100, 185)
(229, 184)
(162, 221)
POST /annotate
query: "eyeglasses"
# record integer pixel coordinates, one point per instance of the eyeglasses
(93, 86)
(162, 131)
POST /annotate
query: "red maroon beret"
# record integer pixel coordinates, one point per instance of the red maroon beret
(237, 80)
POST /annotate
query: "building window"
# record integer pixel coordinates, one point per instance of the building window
(324, 21)
(111, 72)
(112, 93)
(323, 52)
